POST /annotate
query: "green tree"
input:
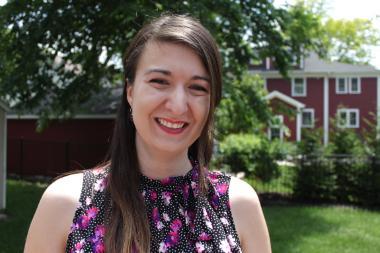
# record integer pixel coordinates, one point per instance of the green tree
(244, 108)
(57, 53)
(348, 41)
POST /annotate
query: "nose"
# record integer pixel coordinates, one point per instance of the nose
(177, 102)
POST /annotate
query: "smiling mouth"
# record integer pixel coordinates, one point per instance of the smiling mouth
(171, 124)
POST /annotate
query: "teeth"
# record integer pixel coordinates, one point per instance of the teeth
(170, 125)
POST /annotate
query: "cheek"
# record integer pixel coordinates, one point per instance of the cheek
(203, 109)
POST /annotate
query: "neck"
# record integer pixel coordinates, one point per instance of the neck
(160, 164)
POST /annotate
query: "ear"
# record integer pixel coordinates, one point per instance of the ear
(129, 88)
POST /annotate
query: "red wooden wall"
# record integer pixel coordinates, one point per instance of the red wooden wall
(63, 146)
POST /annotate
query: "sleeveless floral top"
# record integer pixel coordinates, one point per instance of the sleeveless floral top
(181, 220)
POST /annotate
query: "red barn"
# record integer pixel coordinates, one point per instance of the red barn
(318, 91)
(77, 143)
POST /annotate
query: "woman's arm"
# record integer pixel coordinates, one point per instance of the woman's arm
(52, 220)
(248, 218)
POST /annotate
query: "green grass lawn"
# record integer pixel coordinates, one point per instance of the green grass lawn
(323, 229)
(293, 228)
(22, 200)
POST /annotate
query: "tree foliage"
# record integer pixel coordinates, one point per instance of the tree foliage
(244, 108)
(342, 40)
(55, 54)
(350, 41)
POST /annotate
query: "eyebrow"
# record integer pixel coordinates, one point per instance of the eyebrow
(168, 73)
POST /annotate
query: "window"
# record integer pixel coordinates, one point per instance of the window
(275, 131)
(341, 85)
(308, 117)
(298, 87)
(346, 85)
(348, 118)
(355, 85)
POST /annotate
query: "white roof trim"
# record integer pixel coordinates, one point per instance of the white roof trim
(285, 98)
(299, 73)
(79, 116)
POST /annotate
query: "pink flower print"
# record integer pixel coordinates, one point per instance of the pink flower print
(194, 186)
(155, 215)
(100, 231)
(181, 210)
(100, 184)
(207, 218)
(224, 246)
(74, 226)
(231, 241)
(204, 237)
(166, 196)
(153, 195)
(186, 192)
(224, 221)
(163, 248)
(222, 188)
(159, 225)
(167, 181)
(176, 225)
(214, 177)
(88, 201)
(215, 201)
(199, 247)
(166, 217)
(92, 212)
(173, 238)
(99, 247)
(83, 221)
(189, 217)
(78, 247)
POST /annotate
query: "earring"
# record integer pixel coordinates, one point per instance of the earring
(130, 114)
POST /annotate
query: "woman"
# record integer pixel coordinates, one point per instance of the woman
(155, 193)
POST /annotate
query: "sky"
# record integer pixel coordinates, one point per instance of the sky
(350, 9)
(345, 9)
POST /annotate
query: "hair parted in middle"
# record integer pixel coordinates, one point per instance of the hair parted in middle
(127, 226)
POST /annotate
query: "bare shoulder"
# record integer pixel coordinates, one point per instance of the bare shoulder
(248, 217)
(241, 193)
(54, 215)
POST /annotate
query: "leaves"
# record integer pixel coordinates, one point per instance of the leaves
(56, 54)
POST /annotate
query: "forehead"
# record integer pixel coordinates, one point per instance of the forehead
(174, 57)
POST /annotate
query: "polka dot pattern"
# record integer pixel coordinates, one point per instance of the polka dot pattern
(181, 219)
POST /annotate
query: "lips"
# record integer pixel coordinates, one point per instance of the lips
(171, 126)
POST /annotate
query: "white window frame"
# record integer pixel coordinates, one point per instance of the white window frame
(359, 85)
(281, 122)
(347, 85)
(347, 120)
(337, 85)
(311, 111)
(294, 94)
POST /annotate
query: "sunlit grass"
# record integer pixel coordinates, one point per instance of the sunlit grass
(293, 229)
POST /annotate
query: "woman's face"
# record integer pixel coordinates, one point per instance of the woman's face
(170, 97)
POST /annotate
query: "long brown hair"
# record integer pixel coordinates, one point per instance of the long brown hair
(127, 223)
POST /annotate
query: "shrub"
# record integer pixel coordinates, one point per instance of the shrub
(349, 165)
(314, 177)
(252, 154)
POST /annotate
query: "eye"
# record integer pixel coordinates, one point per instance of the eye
(159, 81)
(199, 88)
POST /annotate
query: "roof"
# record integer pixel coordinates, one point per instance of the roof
(285, 98)
(103, 104)
(313, 65)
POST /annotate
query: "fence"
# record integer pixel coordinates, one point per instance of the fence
(51, 158)
(334, 178)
